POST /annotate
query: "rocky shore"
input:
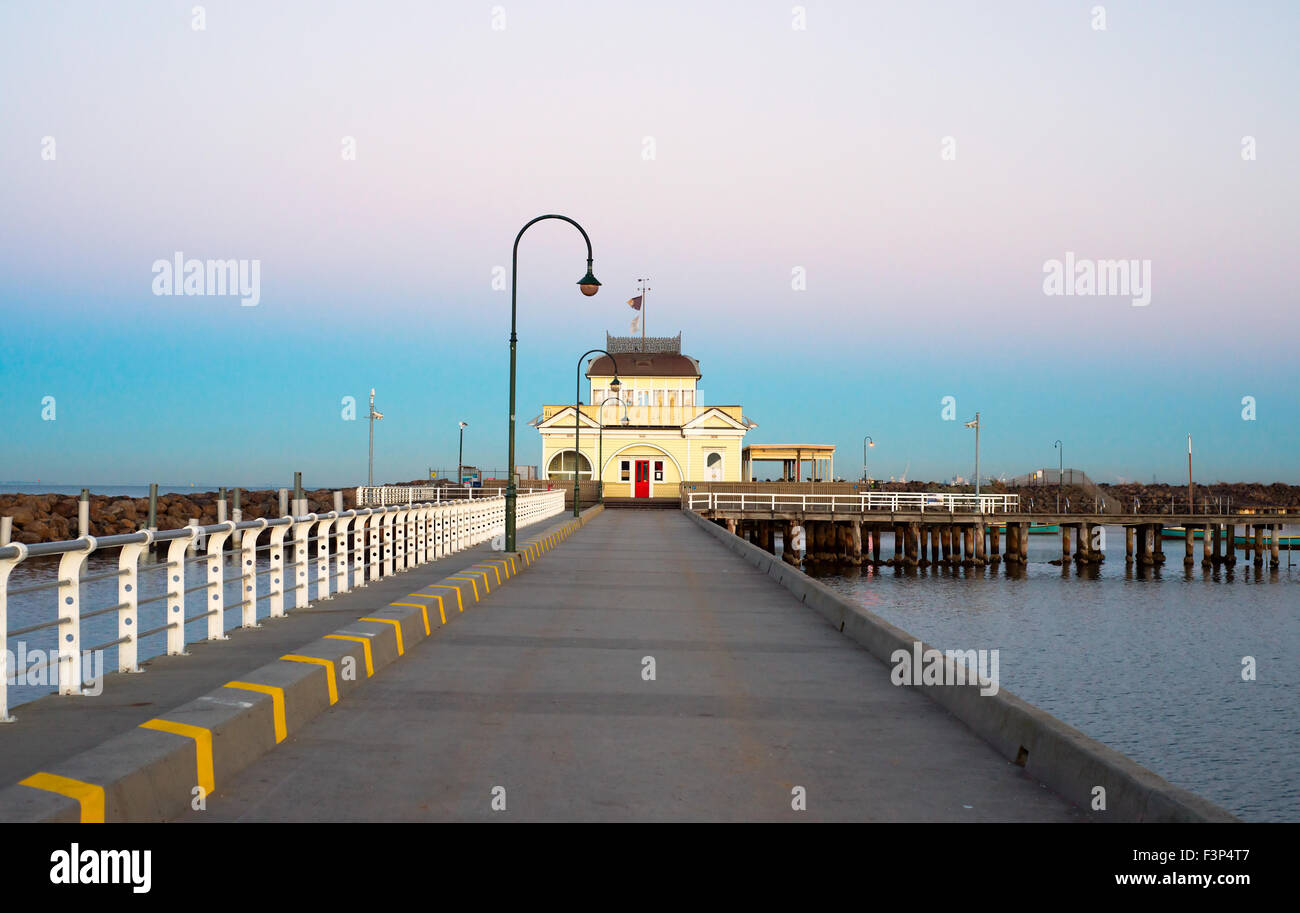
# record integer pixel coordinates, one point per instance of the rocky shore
(51, 517)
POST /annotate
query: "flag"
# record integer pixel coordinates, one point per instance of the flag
(636, 322)
(635, 303)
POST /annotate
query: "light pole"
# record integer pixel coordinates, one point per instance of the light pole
(460, 455)
(866, 442)
(589, 286)
(1191, 492)
(370, 477)
(577, 415)
(976, 425)
(1060, 473)
(600, 447)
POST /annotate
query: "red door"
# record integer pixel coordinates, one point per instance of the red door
(642, 489)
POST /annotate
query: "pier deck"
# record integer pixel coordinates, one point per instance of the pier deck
(540, 691)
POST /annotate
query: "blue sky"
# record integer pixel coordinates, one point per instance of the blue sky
(774, 148)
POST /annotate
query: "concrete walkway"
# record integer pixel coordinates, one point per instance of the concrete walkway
(539, 691)
(53, 728)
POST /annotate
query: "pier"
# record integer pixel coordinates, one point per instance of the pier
(972, 530)
(622, 665)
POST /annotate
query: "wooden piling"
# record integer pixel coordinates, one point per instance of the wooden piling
(1022, 542)
(875, 544)
(1273, 548)
(978, 534)
(898, 544)
(1158, 540)
(1147, 554)
(1130, 534)
(1065, 544)
(1207, 541)
(1189, 538)
(994, 551)
(1259, 544)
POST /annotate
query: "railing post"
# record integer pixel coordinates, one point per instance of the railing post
(6, 568)
(275, 596)
(341, 552)
(323, 555)
(301, 533)
(248, 572)
(216, 601)
(389, 542)
(128, 597)
(175, 601)
(359, 526)
(375, 526)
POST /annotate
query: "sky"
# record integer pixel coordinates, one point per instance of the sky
(847, 209)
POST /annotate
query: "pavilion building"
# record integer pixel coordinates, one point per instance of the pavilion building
(650, 433)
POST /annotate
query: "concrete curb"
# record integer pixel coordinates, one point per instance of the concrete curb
(1052, 752)
(160, 769)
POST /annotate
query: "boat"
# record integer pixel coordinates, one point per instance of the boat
(1179, 532)
(1036, 529)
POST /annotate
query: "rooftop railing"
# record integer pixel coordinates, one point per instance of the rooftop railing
(353, 548)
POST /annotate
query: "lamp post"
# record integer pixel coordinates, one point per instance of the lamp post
(589, 286)
(600, 447)
(577, 415)
(370, 477)
(976, 425)
(460, 455)
(866, 442)
(1060, 473)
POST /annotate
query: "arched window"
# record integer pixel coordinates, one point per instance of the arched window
(713, 466)
(561, 466)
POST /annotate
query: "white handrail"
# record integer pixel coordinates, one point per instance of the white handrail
(856, 503)
(402, 535)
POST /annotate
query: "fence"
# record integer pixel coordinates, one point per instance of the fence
(400, 537)
(854, 503)
(384, 495)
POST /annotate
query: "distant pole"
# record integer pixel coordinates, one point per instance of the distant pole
(83, 514)
(1060, 473)
(370, 477)
(866, 442)
(1191, 492)
(153, 506)
(460, 454)
(976, 425)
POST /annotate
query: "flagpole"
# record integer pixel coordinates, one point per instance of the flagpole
(643, 290)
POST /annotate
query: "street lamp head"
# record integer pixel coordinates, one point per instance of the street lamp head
(614, 384)
(589, 284)
(464, 425)
(625, 421)
(871, 443)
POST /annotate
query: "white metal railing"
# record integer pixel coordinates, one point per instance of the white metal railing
(384, 495)
(385, 540)
(855, 503)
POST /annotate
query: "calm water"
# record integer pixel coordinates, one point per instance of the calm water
(1148, 662)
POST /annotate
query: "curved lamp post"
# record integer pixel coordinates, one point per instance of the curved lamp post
(600, 447)
(577, 415)
(589, 287)
(866, 442)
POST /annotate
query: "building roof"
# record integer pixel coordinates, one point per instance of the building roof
(787, 451)
(645, 364)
